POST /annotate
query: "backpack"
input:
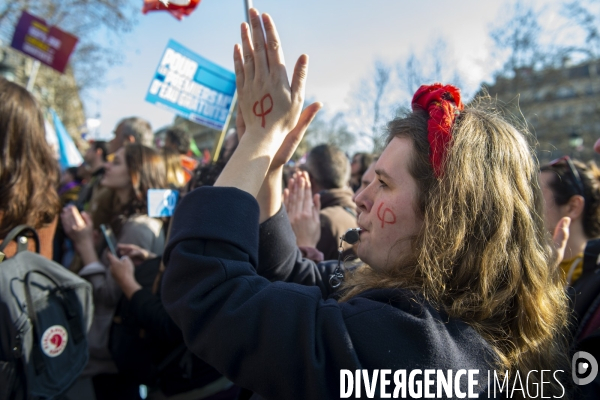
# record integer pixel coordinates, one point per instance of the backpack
(45, 313)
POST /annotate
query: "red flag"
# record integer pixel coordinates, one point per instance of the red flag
(177, 8)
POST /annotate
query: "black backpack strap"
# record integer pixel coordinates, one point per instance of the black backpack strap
(36, 351)
(18, 232)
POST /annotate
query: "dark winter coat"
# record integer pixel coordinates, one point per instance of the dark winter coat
(288, 340)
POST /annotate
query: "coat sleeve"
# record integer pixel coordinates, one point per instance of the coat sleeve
(281, 260)
(280, 340)
(150, 314)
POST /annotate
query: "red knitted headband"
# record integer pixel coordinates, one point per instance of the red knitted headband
(443, 104)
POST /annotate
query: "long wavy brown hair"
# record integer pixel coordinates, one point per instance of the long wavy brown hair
(28, 171)
(147, 170)
(483, 254)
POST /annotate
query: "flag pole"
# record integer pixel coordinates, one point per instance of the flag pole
(34, 70)
(221, 137)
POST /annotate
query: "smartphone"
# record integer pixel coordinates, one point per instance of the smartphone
(110, 238)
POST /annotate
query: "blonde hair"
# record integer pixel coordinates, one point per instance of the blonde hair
(483, 254)
(174, 170)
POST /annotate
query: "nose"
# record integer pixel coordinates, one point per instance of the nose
(364, 198)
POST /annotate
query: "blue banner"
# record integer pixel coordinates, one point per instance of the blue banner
(192, 86)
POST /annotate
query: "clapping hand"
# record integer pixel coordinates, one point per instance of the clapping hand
(271, 122)
(303, 210)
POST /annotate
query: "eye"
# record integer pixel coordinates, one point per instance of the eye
(382, 183)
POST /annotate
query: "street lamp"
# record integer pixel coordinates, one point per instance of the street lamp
(575, 142)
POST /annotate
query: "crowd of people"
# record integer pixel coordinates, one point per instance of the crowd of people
(470, 255)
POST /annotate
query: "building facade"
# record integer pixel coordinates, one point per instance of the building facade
(561, 108)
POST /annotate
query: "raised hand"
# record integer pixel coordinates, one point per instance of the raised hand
(78, 227)
(271, 121)
(303, 210)
(292, 140)
(265, 96)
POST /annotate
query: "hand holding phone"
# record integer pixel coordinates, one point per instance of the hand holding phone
(110, 238)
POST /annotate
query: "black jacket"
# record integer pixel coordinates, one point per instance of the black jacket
(286, 340)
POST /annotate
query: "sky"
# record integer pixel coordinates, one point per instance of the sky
(343, 38)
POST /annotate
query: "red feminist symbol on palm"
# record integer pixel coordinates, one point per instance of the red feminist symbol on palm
(383, 216)
(262, 111)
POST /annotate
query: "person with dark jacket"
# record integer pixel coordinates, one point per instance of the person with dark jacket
(329, 172)
(151, 348)
(450, 281)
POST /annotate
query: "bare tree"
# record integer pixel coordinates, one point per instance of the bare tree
(435, 64)
(332, 130)
(548, 73)
(585, 17)
(372, 104)
(517, 41)
(99, 25)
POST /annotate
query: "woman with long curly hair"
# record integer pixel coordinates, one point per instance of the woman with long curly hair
(458, 285)
(29, 172)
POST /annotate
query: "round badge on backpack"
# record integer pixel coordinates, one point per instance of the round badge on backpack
(54, 340)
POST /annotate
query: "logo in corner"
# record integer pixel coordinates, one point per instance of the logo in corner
(54, 340)
(584, 368)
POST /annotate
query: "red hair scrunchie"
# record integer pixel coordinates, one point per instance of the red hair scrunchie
(443, 104)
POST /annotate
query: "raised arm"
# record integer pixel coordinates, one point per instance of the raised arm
(271, 112)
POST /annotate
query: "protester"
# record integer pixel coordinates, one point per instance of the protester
(368, 177)
(329, 172)
(103, 205)
(69, 191)
(69, 186)
(450, 281)
(94, 159)
(29, 173)
(146, 312)
(131, 130)
(302, 208)
(163, 337)
(134, 169)
(360, 162)
(572, 189)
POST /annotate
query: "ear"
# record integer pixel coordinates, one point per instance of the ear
(575, 207)
(130, 139)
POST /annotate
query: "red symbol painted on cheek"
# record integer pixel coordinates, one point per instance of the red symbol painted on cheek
(383, 216)
(263, 112)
